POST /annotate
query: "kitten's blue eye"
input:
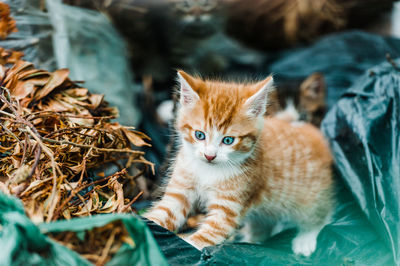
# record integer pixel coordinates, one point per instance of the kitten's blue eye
(199, 135)
(228, 140)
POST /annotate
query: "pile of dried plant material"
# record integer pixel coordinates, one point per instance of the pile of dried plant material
(97, 245)
(7, 24)
(53, 134)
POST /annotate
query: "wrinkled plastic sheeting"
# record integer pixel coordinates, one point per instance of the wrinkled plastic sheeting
(348, 240)
(341, 57)
(21, 241)
(86, 42)
(145, 252)
(176, 250)
(34, 35)
(364, 131)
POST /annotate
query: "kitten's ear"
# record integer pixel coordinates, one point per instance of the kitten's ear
(313, 87)
(188, 97)
(257, 104)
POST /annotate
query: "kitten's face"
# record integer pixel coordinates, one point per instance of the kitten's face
(220, 122)
(207, 142)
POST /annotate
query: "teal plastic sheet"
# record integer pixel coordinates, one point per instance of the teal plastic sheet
(348, 240)
(364, 130)
(342, 58)
(22, 242)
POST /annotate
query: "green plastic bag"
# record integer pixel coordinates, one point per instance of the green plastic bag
(364, 131)
(23, 242)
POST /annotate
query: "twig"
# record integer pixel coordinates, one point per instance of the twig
(66, 142)
(73, 128)
(25, 149)
(38, 151)
(132, 178)
(57, 132)
(7, 114)
(12, 134)
(83, 200)
(76, 133)
(45, 150)
(12, 120)
(43, 114)
(107, 247)
(132, 201)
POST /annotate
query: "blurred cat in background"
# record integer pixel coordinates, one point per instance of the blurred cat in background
(304, 102)
(197, 17)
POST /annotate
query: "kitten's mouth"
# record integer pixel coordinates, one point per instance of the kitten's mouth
(209, 162)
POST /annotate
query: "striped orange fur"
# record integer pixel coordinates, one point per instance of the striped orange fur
(243, 166)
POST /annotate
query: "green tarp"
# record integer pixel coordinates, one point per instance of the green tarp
(24, 243)
(364, 131)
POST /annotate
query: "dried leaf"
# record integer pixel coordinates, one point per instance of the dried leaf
(83, 121)
(57, 78)
(95, 100)
(136, 138)
(109, 206)
(7, 24)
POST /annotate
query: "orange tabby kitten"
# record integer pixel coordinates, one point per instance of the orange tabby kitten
(245, 169)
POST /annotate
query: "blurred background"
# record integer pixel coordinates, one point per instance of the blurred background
(129, 50)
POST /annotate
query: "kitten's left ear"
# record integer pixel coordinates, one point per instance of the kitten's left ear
(257, 104)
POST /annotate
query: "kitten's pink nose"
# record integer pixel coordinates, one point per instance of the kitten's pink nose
(210, 158)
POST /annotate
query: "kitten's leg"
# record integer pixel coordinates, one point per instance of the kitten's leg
(305, 242)
(254, 233)
(221, 221)
(171, 211)
(309, 226)
(256, 229)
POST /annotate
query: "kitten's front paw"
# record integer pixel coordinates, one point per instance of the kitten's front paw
(183, 235)
(191, 242)
(197, 244)
(304, 244)
(153, 218)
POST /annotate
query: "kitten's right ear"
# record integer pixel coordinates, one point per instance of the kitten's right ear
(256, 105)
(188, 97)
